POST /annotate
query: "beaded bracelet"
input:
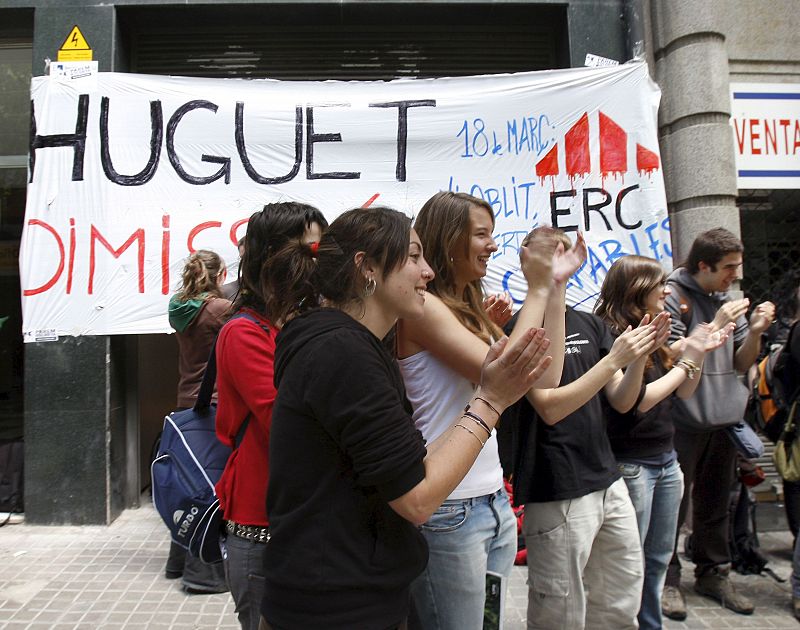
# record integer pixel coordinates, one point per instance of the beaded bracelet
(690, 367)
(475, 435)
(477, 420)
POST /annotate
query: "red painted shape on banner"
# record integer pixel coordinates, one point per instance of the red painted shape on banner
(94, 236)
(47, 285)
(646, 160)
(206, 225)
(235, 228)
(576, 148)
(371, 200)
(613, 147)
(71, 257)
(165, 254)
(548, 165)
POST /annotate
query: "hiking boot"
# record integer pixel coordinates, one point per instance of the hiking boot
(718, 586)
(673, 605)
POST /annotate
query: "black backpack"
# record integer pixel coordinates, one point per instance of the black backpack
(746, 555)
(770, 398)
(745, 550)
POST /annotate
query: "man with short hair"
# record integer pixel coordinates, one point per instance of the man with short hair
(706, 454)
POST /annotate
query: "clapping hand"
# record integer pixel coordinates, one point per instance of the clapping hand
(730, 312)
(498, 307)
(634, 343)
(762, 317)
(567, 262)
(536, 257)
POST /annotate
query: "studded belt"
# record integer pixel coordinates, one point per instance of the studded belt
(254, 533)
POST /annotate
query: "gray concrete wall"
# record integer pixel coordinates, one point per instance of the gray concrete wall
(691, 66)
(763, 40)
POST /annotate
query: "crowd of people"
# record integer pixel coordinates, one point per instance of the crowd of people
(362, 396)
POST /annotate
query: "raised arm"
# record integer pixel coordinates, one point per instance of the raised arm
(555, 404)
(565, 263)
(623, 390)
(700, 342)
(536, 263)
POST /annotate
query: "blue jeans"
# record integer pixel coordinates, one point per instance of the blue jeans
(466, 538)
(244, 572)
(656, 493)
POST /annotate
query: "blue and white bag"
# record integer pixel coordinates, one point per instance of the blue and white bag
(189, 463)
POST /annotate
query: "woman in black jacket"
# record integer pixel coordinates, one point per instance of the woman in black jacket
(351, 478)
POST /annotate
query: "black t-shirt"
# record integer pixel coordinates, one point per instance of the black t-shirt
(573, 457)
(643, 435)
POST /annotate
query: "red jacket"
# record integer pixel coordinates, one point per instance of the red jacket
(245, 357)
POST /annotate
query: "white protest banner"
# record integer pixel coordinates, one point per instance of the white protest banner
(130, 173)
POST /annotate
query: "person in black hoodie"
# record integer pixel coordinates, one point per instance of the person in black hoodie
(351, 477)
(641, 438)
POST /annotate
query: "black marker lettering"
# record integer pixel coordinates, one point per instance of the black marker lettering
(595, 207)
(402, 130)
(75, 140)
(312, 138)
(225, 170)
(248, 165)
(156, 136)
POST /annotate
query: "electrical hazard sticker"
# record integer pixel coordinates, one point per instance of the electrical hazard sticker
(75, 47)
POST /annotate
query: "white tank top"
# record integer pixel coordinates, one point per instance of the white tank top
(438, 395)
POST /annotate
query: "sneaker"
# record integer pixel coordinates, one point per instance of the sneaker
(673, 605)
(718, 586)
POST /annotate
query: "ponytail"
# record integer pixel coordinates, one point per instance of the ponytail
(289, 281)
(295, 280)
(201, 275)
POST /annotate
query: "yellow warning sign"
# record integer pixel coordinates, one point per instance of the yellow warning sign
(75, 47)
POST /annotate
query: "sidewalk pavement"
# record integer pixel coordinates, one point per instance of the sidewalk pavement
(113, 577)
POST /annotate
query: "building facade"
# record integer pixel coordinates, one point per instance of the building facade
(90, 407)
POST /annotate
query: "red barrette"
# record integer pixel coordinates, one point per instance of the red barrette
(314, 247)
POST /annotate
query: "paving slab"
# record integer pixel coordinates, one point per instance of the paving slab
(98, 577)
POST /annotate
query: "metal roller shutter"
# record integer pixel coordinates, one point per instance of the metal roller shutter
(345, 41)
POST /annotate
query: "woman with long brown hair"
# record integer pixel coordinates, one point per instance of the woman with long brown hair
(351, 477)
(642, 439)
(440, 354)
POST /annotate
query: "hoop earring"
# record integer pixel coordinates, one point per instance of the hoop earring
(369, 290)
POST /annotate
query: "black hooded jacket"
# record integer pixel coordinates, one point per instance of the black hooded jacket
(342, 445)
